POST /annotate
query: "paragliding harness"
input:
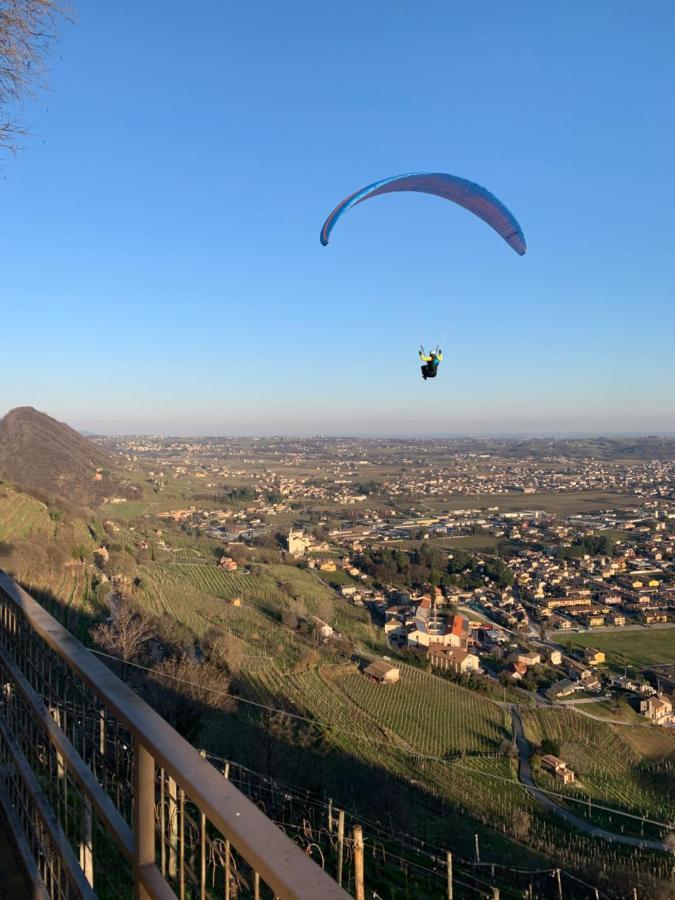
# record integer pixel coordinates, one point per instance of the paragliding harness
(430, 367)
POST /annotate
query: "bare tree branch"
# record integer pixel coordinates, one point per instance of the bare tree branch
(27, 31)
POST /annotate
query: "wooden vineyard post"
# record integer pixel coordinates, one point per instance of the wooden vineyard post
(448, 858)
(358, 863)
(341, 844)
(495, 893)
(560, 893)
(330, 816)
(477, 849)
(173, 827)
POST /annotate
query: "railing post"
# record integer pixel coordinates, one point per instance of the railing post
(144, 815)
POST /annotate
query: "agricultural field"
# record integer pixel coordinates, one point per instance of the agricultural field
(370, 722)
(22, 515)
(646, 647)
(563, 504)
(627, 766)
(430, 714)
(194, 594)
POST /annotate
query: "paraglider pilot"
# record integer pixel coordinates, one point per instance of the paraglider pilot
(430, 367)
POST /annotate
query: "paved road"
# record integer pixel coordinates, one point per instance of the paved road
(525, 776)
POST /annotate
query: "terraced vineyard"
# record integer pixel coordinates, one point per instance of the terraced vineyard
(380, 736)
(212, 580)
(189, 591)
(612, 762)
(21, 515)
(433, 715)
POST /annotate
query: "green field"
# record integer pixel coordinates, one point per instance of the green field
(646, 647)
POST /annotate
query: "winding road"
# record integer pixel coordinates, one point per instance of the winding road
(526, 778)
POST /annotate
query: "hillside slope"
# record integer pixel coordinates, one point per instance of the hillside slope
(45, 456)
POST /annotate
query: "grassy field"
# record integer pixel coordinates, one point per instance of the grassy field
(642, 648)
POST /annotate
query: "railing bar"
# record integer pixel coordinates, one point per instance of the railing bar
(202, 874)
(282, 865)
(59, 840)
(27, 857)
(104, 806)
(228, 871)
(181, 844)
(152, 881)
(162, 821)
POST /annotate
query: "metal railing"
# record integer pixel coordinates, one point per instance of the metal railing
(107, 800)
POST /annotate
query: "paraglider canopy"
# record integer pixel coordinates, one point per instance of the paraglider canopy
(471, 196)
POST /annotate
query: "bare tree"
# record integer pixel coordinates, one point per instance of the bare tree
(27, 29)
(224, 649)
(126, 632)
(522, 822)
(184, 690)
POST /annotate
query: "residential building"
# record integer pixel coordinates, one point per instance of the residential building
(593, 657)
(453, 659)
(558, 768)
(658, 708)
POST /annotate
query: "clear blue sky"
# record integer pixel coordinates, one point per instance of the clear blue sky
(161, 264)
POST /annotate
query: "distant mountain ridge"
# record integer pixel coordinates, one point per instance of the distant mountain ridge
(42, 455)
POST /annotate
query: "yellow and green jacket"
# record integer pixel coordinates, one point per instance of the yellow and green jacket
(427, 359)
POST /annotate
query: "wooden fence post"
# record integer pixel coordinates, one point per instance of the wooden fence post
(341, 844)
(173, 827)
(448, 859)
(358, 863)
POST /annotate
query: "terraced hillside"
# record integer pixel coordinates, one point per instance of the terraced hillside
(196, 595)
(627, 766)
(22, 515)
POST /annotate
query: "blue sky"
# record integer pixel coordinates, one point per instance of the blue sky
(162, 270)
